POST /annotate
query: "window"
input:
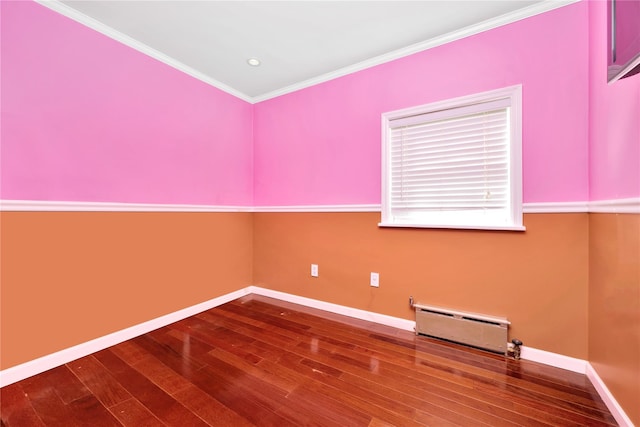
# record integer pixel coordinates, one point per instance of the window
(454, 164)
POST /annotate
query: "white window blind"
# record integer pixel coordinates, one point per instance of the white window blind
(453, 164)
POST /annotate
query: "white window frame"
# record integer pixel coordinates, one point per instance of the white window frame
(512, 220)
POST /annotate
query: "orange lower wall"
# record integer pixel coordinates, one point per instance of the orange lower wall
(614, 306)
(69, 277)
(537, 279)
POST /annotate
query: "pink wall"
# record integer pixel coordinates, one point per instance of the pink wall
(321, 145)
(614, 120)
(85, 118)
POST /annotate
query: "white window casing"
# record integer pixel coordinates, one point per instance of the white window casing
(455, 163)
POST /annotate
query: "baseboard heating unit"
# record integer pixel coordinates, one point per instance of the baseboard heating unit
(476, 330)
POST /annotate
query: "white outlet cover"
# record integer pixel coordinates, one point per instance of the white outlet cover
(375, 280)
(314, 270)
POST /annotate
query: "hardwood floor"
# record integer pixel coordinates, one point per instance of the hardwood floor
(258, 361)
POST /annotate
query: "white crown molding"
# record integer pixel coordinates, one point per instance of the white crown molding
(42, 364)
(487, 25)
(508, 18)
(62, 206)
(108, 31)
(612, 404)
(630, 205)
(319, 208)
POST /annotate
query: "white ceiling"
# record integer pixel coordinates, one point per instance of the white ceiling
(299, 42)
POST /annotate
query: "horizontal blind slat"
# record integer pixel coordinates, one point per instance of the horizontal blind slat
(457, 146)
(408, 139)
(462, 164)
(471, 155)
(451, 174)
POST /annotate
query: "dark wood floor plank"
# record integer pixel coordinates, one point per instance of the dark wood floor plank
(291, 362)
(231, 341)
(231, 320)
(99, 380)
(16, 409)
(162, 405)
(369, 403)
(161, 375)
(261, 362)
(338, 412)
(47, 404)
(253, 406)
(270, 392)
(293, 410)
(254, 369)
(166, 348)
(130, 352)
(209, 409)
(88, 411)
(279, 322)
(132, 413)
(66, 385)
(239, 377)
(259, 344)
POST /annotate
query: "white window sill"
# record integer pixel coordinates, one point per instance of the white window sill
(461, 227)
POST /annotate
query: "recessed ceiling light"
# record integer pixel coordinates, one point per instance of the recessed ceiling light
(254, 62)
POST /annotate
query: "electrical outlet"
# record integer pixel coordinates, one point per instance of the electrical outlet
(375, 280)
(314, 270)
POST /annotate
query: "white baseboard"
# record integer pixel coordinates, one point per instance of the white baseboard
(42, 364)
(554, 359)
(396, 322)
(612, 404)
